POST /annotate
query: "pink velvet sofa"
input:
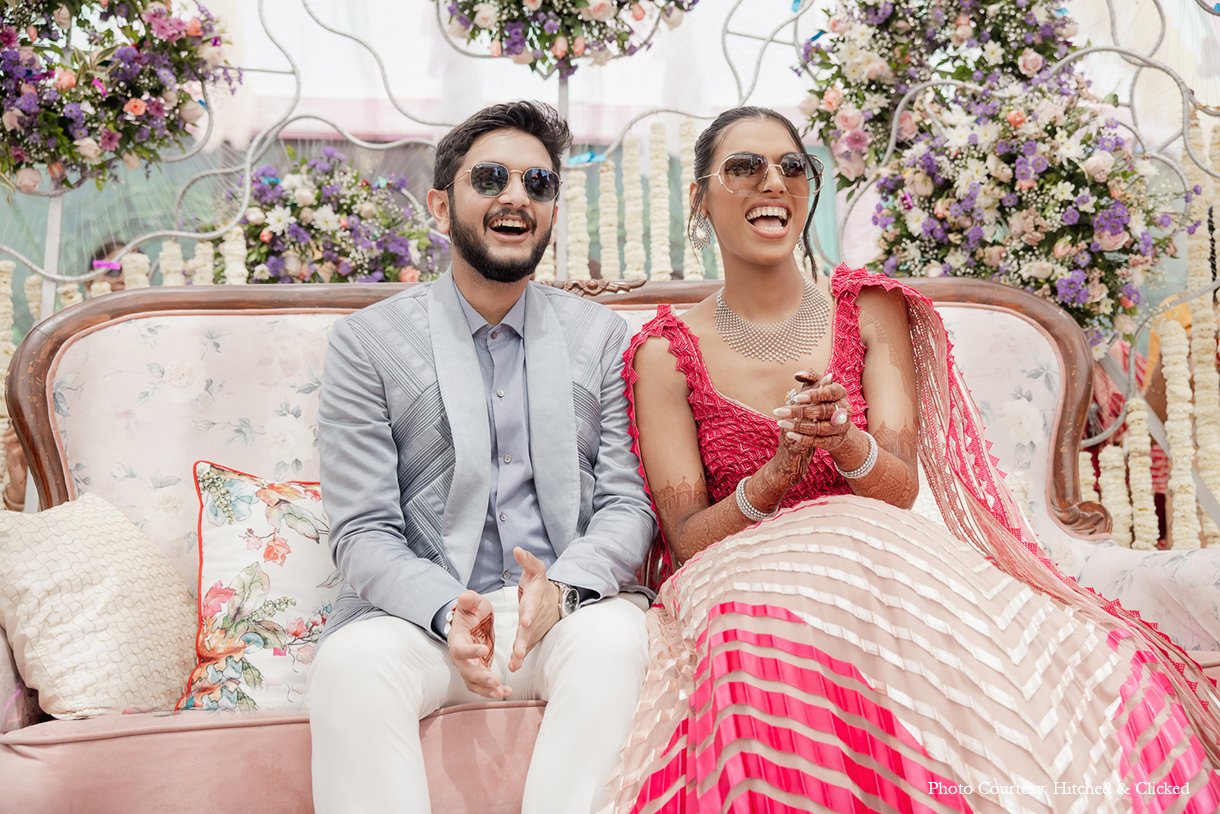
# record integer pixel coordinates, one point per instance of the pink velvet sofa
(477, 755)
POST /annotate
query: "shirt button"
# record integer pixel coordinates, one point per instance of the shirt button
(508, 459)
(500, 393)
(495, 334)
(506, 574)
(503, 517)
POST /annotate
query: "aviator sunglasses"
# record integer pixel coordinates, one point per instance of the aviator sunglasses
(745, 174)
(490, 179)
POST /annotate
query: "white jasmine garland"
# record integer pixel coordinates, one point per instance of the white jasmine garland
(545, 272)
(1145, 526)
(660, 265)
(33, 296)
(1114, 497)
(1185, 525)
(233, 253)
(69, 295)
(99, 287)
(688, 132)
(7, 267)
(135, 269)
(634, 256)
(607, 221)
(578, 225)
(1088, 480)
(172, 264)
(201, 264)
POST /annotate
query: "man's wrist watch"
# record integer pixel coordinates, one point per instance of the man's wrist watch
(569, 599)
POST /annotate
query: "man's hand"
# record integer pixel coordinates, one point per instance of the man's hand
(538, 606)
(472, 641)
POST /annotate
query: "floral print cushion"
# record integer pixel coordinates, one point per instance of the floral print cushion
(266, 585)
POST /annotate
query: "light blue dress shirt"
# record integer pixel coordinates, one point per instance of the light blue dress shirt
(513, 516)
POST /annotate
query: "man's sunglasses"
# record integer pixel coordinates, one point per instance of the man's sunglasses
(745, 174)
(490, 179)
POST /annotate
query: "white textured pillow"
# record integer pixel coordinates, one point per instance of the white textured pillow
(97, 620)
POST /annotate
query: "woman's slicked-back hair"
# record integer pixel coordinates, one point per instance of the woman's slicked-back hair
(537, 119)
(709, 141)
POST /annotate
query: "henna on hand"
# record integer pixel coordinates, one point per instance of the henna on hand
(485, 633)
(894, 478)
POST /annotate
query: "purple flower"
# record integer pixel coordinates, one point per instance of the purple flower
(1002, 147)
(551, 27)
(1071, 216)
(109, 140)
(1164, 221)
(1010, 199)
(1038, 163)
(333, 154)
(28, 104)
(8, 37)
(1029, 148)
(156, 107)
(298, 233)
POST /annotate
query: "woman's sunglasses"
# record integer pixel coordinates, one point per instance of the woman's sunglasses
(745, 174)
(489, 180)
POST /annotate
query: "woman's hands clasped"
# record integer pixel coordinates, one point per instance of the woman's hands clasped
(816, 417)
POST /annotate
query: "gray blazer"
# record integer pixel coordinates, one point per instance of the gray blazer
(406, 450)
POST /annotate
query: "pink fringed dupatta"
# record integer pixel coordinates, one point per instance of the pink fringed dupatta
(979, 510)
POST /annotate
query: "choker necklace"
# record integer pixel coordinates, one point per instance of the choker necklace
(776, 341)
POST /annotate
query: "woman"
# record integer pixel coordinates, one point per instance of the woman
(850, 655)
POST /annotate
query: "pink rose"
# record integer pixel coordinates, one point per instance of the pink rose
(921, 184)
(532, 5)
(194, 28)
(637, 12)
(961, 34)
(840, 25)
(879, 71)
(941, 208)
(560, 47)
(28, 179)
(600, 10)
(1111, 241)
(578, 46)
(993, 256)
(848, 118)
(962, 19)
(135, 107)
(906, 125)
(1030, 62)
(495, 49)
(64, 79)
(56, 170)
(851, 165)
(831, 100)
(409, 275)
(1098, 165)
(1063, 247)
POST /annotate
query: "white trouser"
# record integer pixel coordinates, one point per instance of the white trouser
(374, 679)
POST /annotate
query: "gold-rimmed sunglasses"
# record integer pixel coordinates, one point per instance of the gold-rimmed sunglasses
(745, 174)
(490, 179)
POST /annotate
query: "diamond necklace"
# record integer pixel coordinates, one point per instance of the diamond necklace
(776, 341)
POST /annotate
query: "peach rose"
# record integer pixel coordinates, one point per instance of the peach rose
(131, 160)
(56, 170)
(1063, 248)
(637, 12)
(532, 5)
(560, 47)
(135, 107)
(1098, 165)
(600, 10)
(906, 125)
(578, 46)
(1039, 269)
(64, 79)
(993, 256)
(266, 235)
(409, 275)
(194, 28)
(495, 49)
(831, 99)
(921, 185)
(941, 208)
(11, 119)
(523, 58)
(1016, 118)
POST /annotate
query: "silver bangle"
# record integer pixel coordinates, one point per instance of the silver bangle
(747, 508)
(867, 466)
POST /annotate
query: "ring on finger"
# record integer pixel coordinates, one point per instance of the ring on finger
(839, 417)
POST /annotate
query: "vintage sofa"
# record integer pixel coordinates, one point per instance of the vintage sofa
(84, 429)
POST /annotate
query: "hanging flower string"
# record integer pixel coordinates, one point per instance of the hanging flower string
(634, 255)
(607, 221)
(1145, 525)
(123, 90)
(1114, 497)
(1185, 516)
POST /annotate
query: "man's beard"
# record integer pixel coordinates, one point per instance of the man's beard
(467, 243)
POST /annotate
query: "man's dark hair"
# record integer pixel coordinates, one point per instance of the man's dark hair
(533, 118)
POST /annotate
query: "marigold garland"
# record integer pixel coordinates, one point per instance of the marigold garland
(1113, 482)
(1145, 526)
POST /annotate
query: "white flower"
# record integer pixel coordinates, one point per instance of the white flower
(874, 102)
(914, 219)
(1039, 269)
(933, 269)
(485, 15)
(1023, 420)
(861, 35)
(1145, 168)
(325, 218)
(1098, 165)
(131, 160)
(673, 17)
(87, 108)
(294, 181)
(279, 219)
(255, 216)
(988, 133)
(305, 216)
(808, 106)
(289, 438)
(305, 196)
(183, 380)
(956, 259)
(975, 172)
(261, 272)
(957, 138)
(956, 117)
(1063, 191)
(368, 209)
(457, 30)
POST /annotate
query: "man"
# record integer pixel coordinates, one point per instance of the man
(475, 447)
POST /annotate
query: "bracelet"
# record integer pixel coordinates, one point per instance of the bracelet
(12, 505)
(867, 466)
(747, 508)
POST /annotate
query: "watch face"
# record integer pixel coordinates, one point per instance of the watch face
(571, 598)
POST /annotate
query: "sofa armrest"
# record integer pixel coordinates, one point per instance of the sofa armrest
(18, 703)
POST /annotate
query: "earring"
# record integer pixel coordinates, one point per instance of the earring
(701, 233)
(800, 244)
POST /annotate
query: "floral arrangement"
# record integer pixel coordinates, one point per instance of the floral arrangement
(325, 223)
(86, 84)
(546, 34)
(1027, 181)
